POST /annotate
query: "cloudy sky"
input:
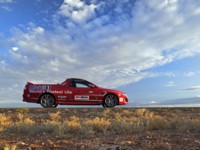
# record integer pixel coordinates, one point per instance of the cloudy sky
(149, 49)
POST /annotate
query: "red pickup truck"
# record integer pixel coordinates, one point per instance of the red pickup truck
(72, 91)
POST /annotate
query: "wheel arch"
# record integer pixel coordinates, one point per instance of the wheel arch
(49, 94)
(113, 94)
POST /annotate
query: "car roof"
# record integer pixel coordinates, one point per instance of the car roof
(75, 79)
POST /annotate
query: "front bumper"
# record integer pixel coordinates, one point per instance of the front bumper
(123, 100)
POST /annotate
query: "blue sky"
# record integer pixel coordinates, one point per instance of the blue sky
(150, 49)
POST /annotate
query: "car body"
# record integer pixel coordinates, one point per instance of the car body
(72, 91)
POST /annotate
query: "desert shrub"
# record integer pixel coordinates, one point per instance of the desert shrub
(74, 118)
(156, 123)
(52, 122)
(127, 113)
(47, 129)
(106, 112)
(117, 116)
(98, 124)
(5, 120)
(28, 121)
(24, 120)
(183, 124)
(22, 109)
(20, 117)
(121, 127)
(10, 147)
(174, 123)
(87, 131)
(143, 112)
(31, 129)
(55, 116)
(192, 125)
(1, 129)
(72, 126)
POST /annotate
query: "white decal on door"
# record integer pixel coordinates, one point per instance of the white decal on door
(81, 97)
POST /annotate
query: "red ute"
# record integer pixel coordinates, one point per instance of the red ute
(73, 92)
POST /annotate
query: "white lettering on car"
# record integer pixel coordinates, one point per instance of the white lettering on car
(68, 92)
(56, 92)
(62, 97)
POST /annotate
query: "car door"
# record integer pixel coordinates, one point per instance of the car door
(84, 92)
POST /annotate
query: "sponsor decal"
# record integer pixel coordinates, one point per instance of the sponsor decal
(31, 88)
(81, 97)
(68, 92)
(38, 89)
(62, 97)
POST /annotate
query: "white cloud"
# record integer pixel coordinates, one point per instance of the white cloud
(170, 84)
(192, 88)
(77, 10)
(6, 8)
(2, 62)
(15, 49)
(189, 74)
(6, 1)
(110, 53)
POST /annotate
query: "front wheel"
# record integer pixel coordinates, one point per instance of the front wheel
(110, 100)
(48, 101)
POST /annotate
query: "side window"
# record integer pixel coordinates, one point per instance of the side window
(81, 85)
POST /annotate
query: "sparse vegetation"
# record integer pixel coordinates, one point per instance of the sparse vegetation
(96, 124)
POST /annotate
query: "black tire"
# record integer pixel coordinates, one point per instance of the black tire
(55, 105)
(110, 100)
(48, 101)
(104, 105)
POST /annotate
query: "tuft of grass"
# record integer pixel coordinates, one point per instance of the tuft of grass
(127, 113)
(98, 124)
(29, 121)
(72, 126)
(156, 123)
(143, 112)
(31, 129)
(10, 147)
(74, 118)
(5, 120)
(20, 117)
(106, 112)
(122, 127)
(55, 116)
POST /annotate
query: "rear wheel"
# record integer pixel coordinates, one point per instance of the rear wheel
(48, 101)
(110, 100)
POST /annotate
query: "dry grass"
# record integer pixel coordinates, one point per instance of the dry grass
(109, 120)
(55, 116)
(10, 147)
(98, 124)
(89, 123)
(5, 120)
